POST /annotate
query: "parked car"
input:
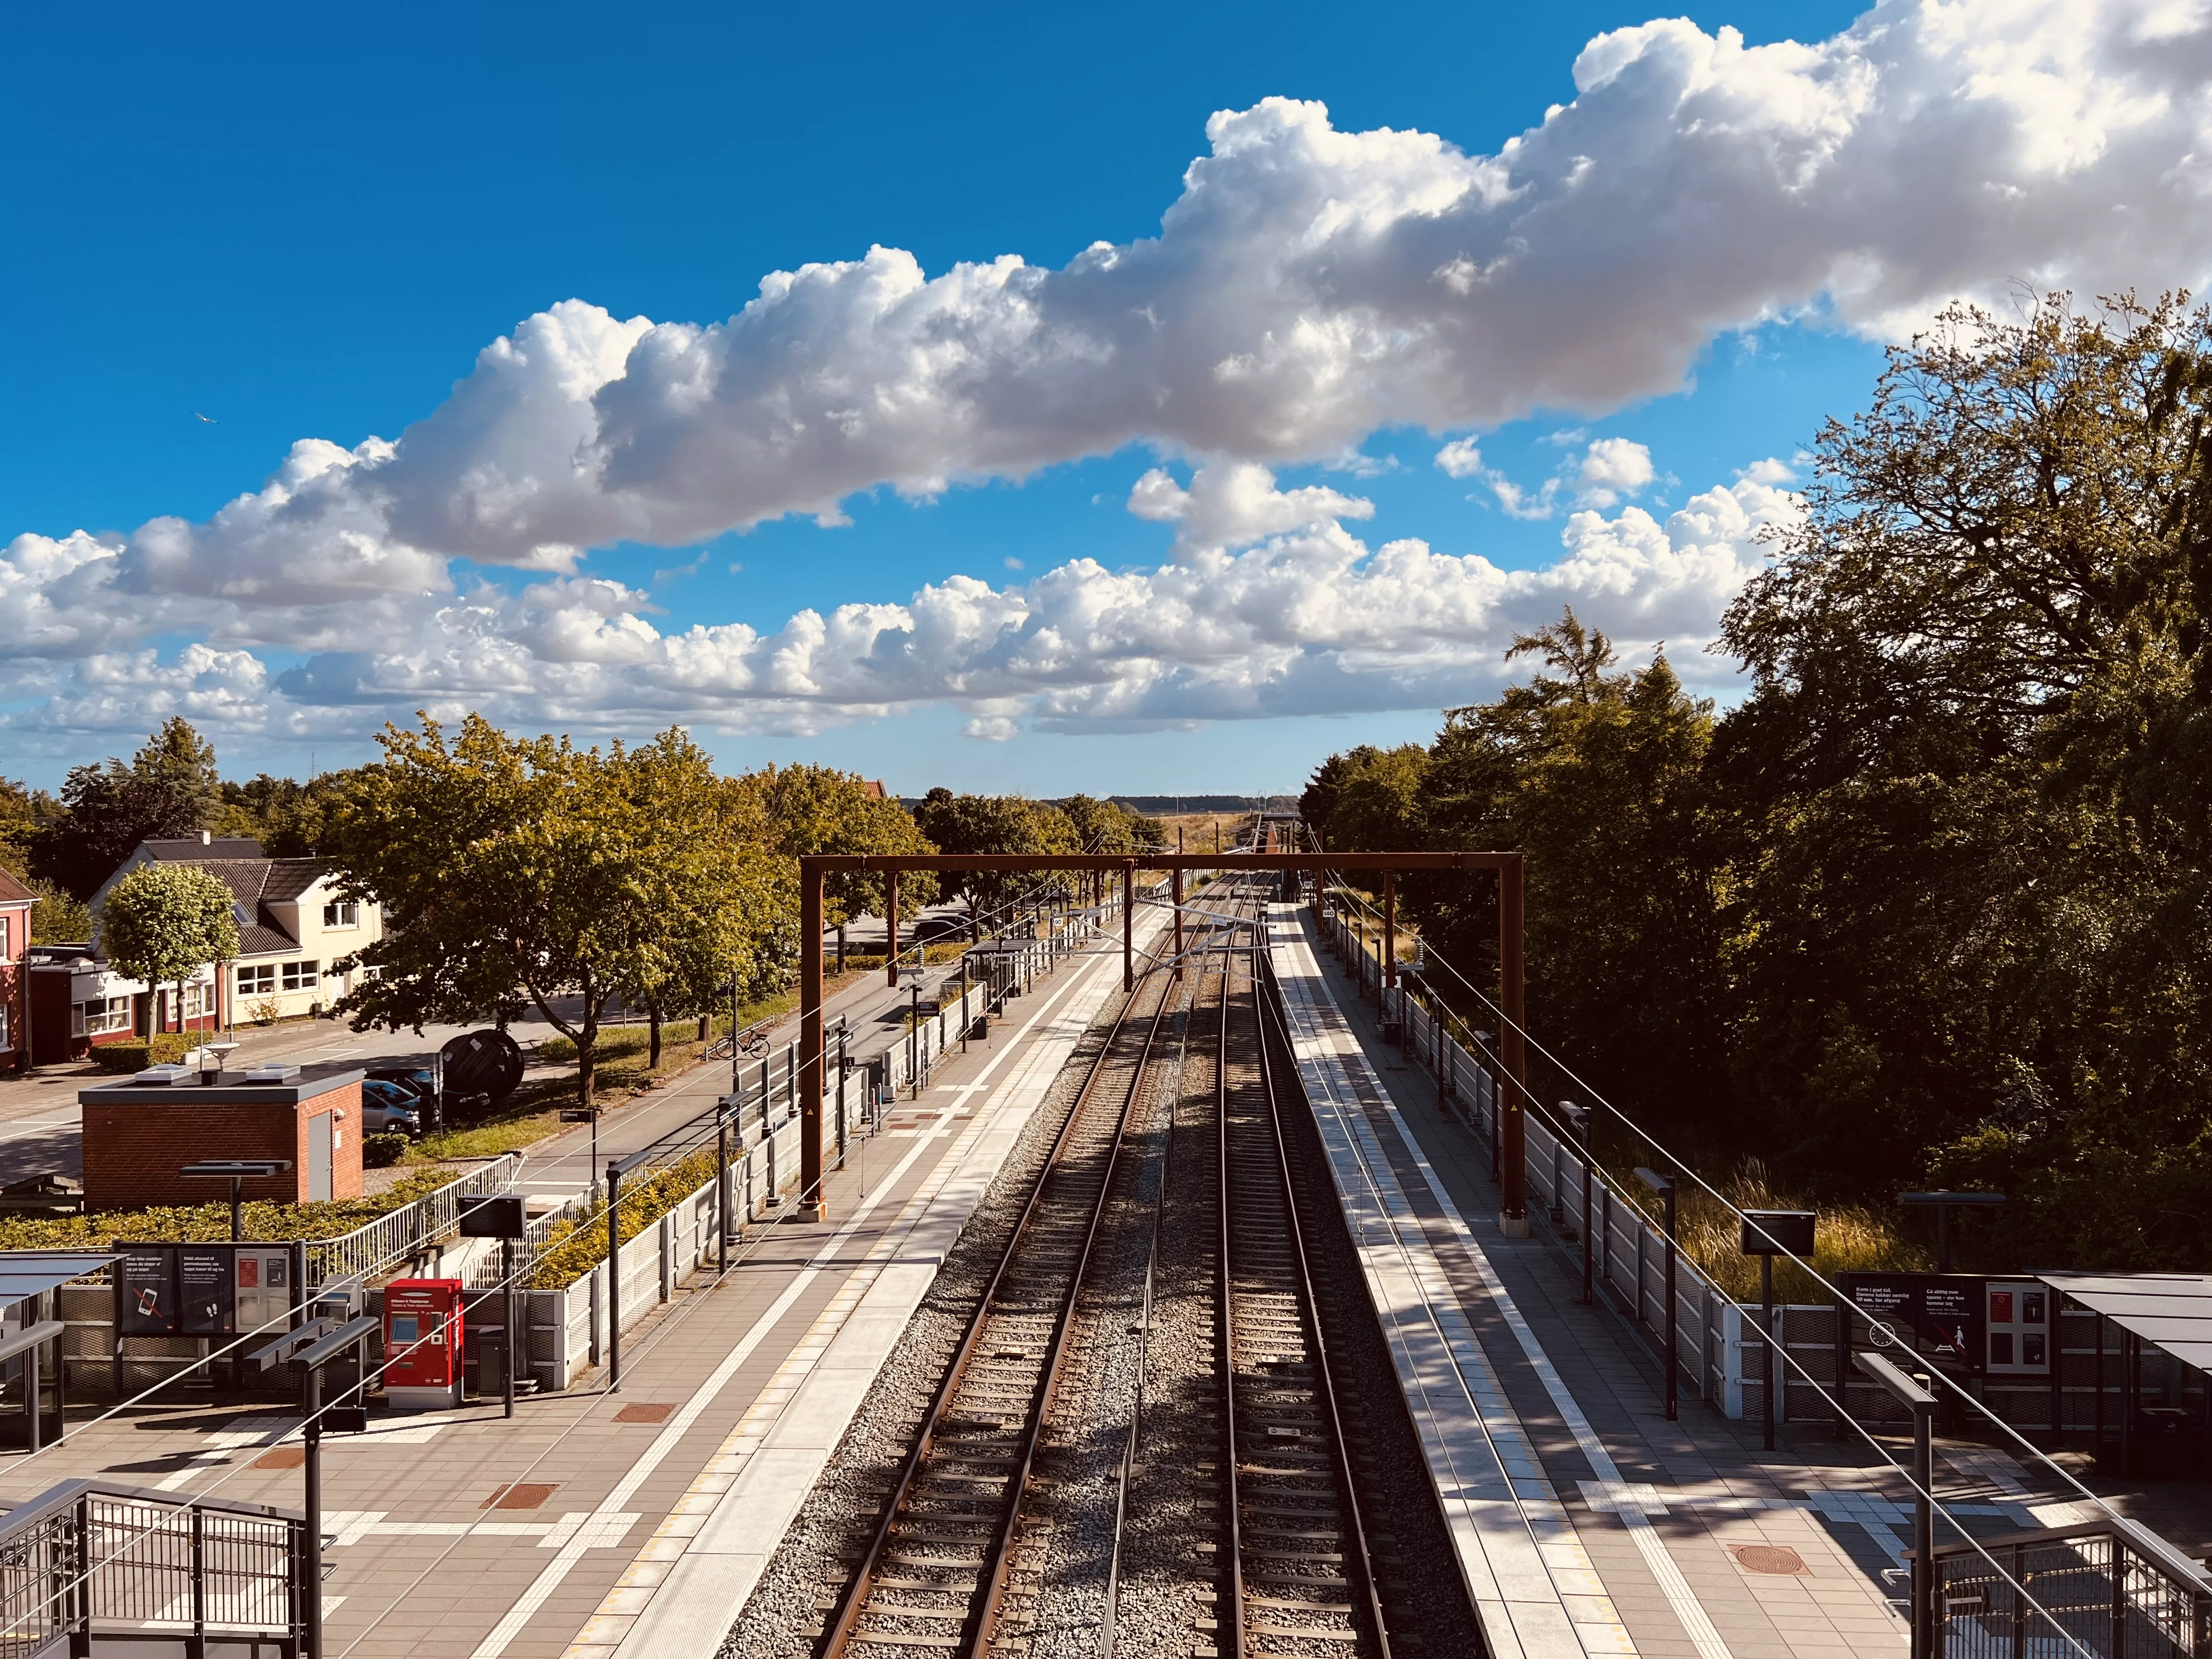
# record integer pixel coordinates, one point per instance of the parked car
(387, 1108)
(416, 1081)
(936, 930)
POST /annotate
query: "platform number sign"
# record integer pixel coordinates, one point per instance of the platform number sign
(2019, 1327)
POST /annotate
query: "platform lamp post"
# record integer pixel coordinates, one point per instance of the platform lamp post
(1766, 1234)
(502, 1216)
(617, 1169)
(1922, 1404)
(307, 1349)
(1943, 1204)
(729, 1111)
(1665, 1188)
(237, 1171)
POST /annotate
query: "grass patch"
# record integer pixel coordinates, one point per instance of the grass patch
(1846, 1238)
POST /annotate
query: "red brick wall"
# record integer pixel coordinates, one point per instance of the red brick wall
(15, 986)
(132, 1153)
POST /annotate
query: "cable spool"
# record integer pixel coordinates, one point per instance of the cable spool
(487, 1063)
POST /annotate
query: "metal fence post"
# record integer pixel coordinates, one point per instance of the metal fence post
(195, 1648)
(614, 1278)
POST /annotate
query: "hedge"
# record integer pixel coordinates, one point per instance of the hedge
(164, 1049)
(211, 1223)
(574, 1248)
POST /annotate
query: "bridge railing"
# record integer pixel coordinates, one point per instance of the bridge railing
(393, 1237)
(92, 1560)
(2116, 1590)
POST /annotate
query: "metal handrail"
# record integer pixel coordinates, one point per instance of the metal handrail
(2112, 1588)
(403, 1231)
(93, 1554)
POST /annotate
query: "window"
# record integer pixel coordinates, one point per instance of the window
(259, 980)
(298, 975)
(103, 1016)
(5, 922)
(199, 1001)
(6, 1041)
(344, 913)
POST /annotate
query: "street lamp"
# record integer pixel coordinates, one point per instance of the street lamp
(504, 1217)
(308, 1349)
(1665, 1188)
(237, 1171)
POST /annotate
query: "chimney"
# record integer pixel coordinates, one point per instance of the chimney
(207, 837)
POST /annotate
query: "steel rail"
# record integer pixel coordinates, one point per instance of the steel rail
(839, 1633)
(1196, 952)
(1358, 1556)
(1224, 1325)
(1000, 1550)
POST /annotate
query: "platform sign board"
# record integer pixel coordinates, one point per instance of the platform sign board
(202, 1290)
(2019, 1327)
(1943, 1318)
(146, 1290)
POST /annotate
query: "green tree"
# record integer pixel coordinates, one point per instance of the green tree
(800, 810)
(993, 823)
(1970, 790)
(22, 811)
(59, 917)
(517, 872)
(288, 817)
(164, 922)
(1106, 826)
(707, 907)
(168, 789)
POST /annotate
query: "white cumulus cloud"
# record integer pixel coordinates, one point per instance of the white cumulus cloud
(1307, 287)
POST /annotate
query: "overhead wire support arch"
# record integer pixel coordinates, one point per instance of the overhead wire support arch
(814, 868)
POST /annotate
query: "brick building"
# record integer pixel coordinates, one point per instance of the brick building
(138, 1135)
(15, 902)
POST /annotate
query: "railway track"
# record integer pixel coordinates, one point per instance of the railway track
(934, 1576)
(1246, 1432)
(1298, 1563)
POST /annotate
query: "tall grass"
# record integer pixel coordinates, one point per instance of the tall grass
(1846, 1238)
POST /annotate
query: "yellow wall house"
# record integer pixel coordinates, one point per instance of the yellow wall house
(292, 926)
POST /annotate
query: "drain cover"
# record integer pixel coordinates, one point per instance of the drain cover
(1768, 1557)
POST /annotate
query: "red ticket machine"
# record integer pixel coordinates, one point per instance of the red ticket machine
(423, 1344)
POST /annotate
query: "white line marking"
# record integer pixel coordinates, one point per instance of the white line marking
(1695, 1620)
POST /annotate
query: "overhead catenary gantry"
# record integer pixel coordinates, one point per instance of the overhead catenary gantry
(1512, 1051)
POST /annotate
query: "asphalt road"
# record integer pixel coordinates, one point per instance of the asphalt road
(40, 1125)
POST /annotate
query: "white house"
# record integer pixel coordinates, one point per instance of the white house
(292, 926)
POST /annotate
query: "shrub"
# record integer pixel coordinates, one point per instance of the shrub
(575, 1247)
(382, 1151)
(265, 1012)
(164, 1049)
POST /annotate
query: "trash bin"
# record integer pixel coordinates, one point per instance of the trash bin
(490, 1345)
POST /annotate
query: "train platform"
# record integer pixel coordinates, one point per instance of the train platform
(597, 1524)
(1584, 1522)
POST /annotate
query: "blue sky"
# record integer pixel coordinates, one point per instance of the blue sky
(308, 225)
